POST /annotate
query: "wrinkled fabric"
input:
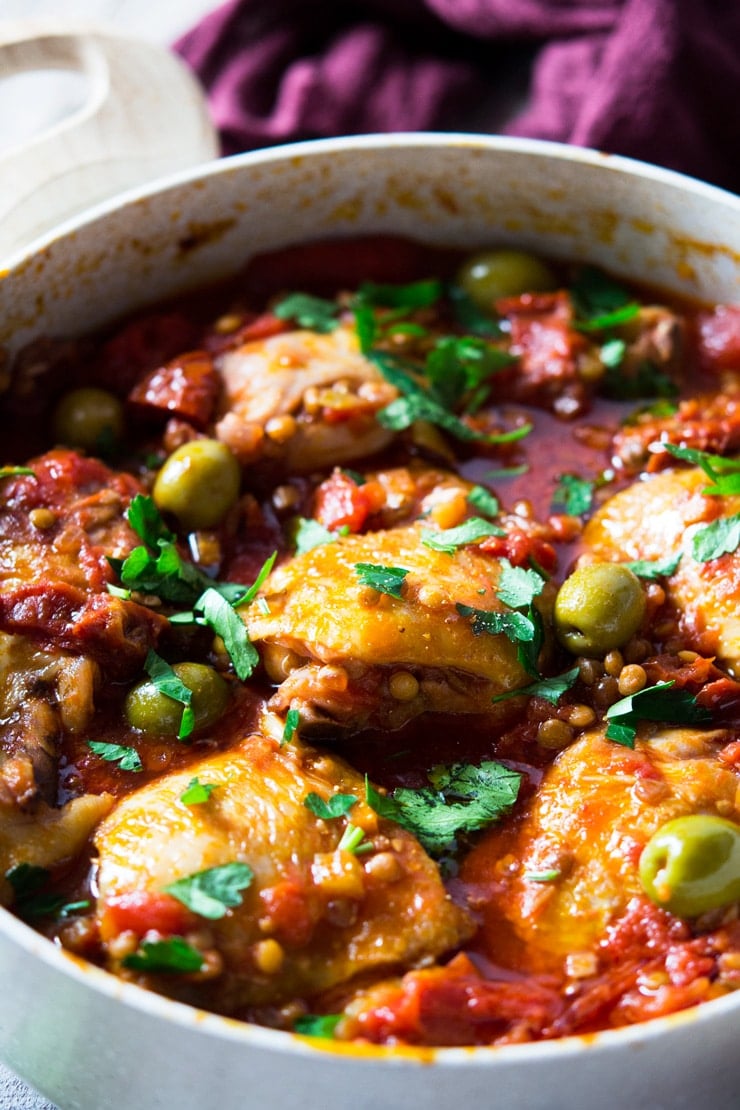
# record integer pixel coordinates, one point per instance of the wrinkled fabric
(657, 80)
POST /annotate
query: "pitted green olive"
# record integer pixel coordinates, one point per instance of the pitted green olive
(490, 275)
(692, 865)
(155, 714)
(198, 483)
(89, 418)
(598, 608)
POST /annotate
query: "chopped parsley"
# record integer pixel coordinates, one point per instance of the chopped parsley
(595, 294)
(612, 353)
(574, 494)
(721, 537)
(226, 623)
(655, 568)
(292, 721)
(484, 501)
(448, 540)
(648, 380)
(172, 955)
(383, 579)
(542, 876)
(515, 626)
(724, 473)
(471, 318)
(551, 689)
(416, 294)
(166, 681)
(461, 799)
(337, 805)
(661, 702)
(16, 472)
(308, 311)
(212, 892)
(128, 759)
(458, 367)
(308, 533)
(317, 1025)
(518, 586)
(197, 793)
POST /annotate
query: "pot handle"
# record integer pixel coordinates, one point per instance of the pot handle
(143, 116)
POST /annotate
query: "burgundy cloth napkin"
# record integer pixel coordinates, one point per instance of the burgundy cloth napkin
(657, 80)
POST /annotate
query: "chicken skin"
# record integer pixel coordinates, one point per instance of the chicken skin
(346, 653)
(316, 914)
(568, 869)
(659, 518)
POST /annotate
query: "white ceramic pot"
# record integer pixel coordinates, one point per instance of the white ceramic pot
(91, 1042)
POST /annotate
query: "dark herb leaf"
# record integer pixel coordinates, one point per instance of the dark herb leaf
(462, 799)
(594, 293)
(227, 589)
(386, 580)
(308, 311)
(458, 364)
(27, 879)
(171, 955)
(647, 381)
(212, 892)
(725, 473)
(417, 294)
(470, 318)
(128, 759)
(661, 702)
(337, 805)
(609, 319)
(449, 539)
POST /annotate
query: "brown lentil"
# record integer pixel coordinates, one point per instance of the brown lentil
(613, 663)
(632, 679)
(554, 734)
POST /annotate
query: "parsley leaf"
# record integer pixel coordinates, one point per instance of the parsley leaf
(292, 721)
(449, 539)
(484, 501)
(212, 892)
(515, 626)
(721, 537)
(648, 380)
(227, 624)
(337, 805)
(317, 1025)
(655, 568)
(461, 799)
(595, 293)
(551, 689)
(167, 682)
(517, 586)
(653, 703)
(308, 311)
(171, 955)
(416, 294)
(248, 597)
(459, 364)
(724, 473)
(609, 319)
(197, 793)
(309, 533)
(574, 494)
(128, 759)
(612, 353)
(28, 881)
(145, 519)
(470, 317)
(386, 580)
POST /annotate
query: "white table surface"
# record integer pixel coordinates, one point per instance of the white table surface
(24, 109)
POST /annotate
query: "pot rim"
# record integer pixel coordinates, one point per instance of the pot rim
(433, 140)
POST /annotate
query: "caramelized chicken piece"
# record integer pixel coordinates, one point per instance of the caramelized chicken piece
(346, 652)
(658, 518)
(303, 399)
(48, 837)
(315, 914)
(566, 871)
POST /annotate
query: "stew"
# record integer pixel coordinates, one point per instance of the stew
(369, 649)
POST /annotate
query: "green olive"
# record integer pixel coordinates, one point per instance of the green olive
(692, 865)
(198, 483)
(155, 714)
(489, 275)
(89, 418)
(598, 608)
